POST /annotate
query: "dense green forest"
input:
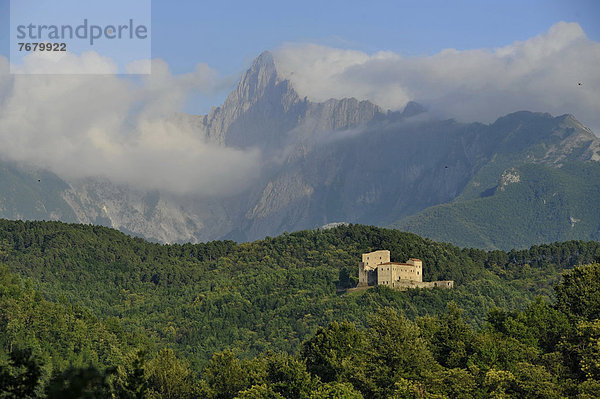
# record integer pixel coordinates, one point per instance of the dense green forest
(89, 308)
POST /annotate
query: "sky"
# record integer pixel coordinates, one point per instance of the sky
(468, 60)
(228, 35)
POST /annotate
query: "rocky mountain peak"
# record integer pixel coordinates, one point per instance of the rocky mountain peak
(264, 63)
(264, 108)
(256, 80)
(260, 90)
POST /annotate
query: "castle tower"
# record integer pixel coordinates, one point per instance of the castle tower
(367, 269)
(372, 259)
(418, 264)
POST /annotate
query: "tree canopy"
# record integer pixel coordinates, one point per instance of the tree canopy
(89, 311)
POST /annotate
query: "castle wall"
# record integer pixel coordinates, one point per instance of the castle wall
(418, 264)
(376, 269)
(444, 284)
(406, 284)
(387, 273)
(366, 276)
(372, 277)
(384, 275)
(372, 259)
(362, 274)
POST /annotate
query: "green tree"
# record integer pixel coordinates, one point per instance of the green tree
(453, 383)
(335, 353)
(452, 341)
(259, 392)
(578, 293)
(80, 383)
(409, 389)
(336, 390)
(539, 325)
(582, 350)
(493, 350)
(134, 384)
(534, 382)
(225, 376)
(288, 376)
(20, 377)
(588, 389)
(169, 377)
(396, 352)
(497, 383)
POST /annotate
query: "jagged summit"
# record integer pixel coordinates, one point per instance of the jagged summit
(264, 107)
(256, 80)
(258, 86)
(264, 60)
(346, 159)
(257, 111)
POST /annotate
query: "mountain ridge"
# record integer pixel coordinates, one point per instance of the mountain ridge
(337, 160)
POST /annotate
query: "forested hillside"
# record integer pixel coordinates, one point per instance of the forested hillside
(529, 204)
(90, 303)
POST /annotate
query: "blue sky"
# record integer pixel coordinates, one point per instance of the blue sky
(227, 35)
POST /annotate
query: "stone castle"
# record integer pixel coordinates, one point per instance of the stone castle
(376, 269)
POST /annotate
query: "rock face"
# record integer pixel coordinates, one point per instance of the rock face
(265, 107)
(152, 215)
(339, 160)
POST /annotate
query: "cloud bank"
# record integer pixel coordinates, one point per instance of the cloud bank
(540, 74)
(123, 129)
(116, 128)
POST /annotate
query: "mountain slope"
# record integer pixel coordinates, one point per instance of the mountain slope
(30, 193)
(532, 204)
(338, 160)
(263, 111)
(530, 192)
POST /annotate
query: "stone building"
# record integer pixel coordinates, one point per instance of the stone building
(377, 269)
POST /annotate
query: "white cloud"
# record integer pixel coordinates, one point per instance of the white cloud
(123, 129)
(65, 63)
(117, 128)
(539, 74)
